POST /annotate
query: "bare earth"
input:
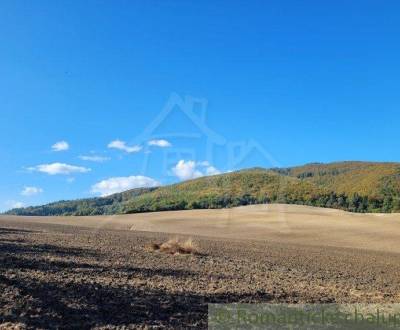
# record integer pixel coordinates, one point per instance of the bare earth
(97, 272)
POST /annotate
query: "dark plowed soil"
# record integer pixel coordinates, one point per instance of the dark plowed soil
(54, 276)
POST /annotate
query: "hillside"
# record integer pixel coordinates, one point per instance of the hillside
(352, 186)
(88, 206)
(363, 178)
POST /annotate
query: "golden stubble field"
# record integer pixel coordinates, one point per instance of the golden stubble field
(277, 223)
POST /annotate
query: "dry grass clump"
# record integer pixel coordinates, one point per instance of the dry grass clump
(174, 246)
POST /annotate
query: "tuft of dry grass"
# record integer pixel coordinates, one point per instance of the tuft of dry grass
(189, 246)
(175, 247)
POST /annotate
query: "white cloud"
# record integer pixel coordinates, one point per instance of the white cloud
(118, 184)
(121, 145)
(203, 163)
(59, 168)
(18, 205)
(186, 170)
(14, 204)
(95, 158)
(60, 146)
(160, 143)
(211, 170)
(31, 191)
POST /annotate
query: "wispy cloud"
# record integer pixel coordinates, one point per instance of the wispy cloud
(186, 170)
(95, 158)
(31, 191)
(60, 146)
(59, 168)
(160, 143)
(121, 145)
(118, 184)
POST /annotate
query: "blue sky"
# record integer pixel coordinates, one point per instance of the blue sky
(280, 83)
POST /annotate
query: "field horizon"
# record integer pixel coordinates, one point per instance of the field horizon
(283, 223)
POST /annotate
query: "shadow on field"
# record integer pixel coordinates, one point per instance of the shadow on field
(41, 291)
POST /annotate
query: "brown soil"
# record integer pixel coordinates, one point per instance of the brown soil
(72, 276)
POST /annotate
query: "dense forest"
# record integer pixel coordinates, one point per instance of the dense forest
(350, 186)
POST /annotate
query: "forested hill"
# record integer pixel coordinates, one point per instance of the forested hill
(352, 186)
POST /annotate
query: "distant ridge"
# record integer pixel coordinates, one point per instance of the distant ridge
(352, 185)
